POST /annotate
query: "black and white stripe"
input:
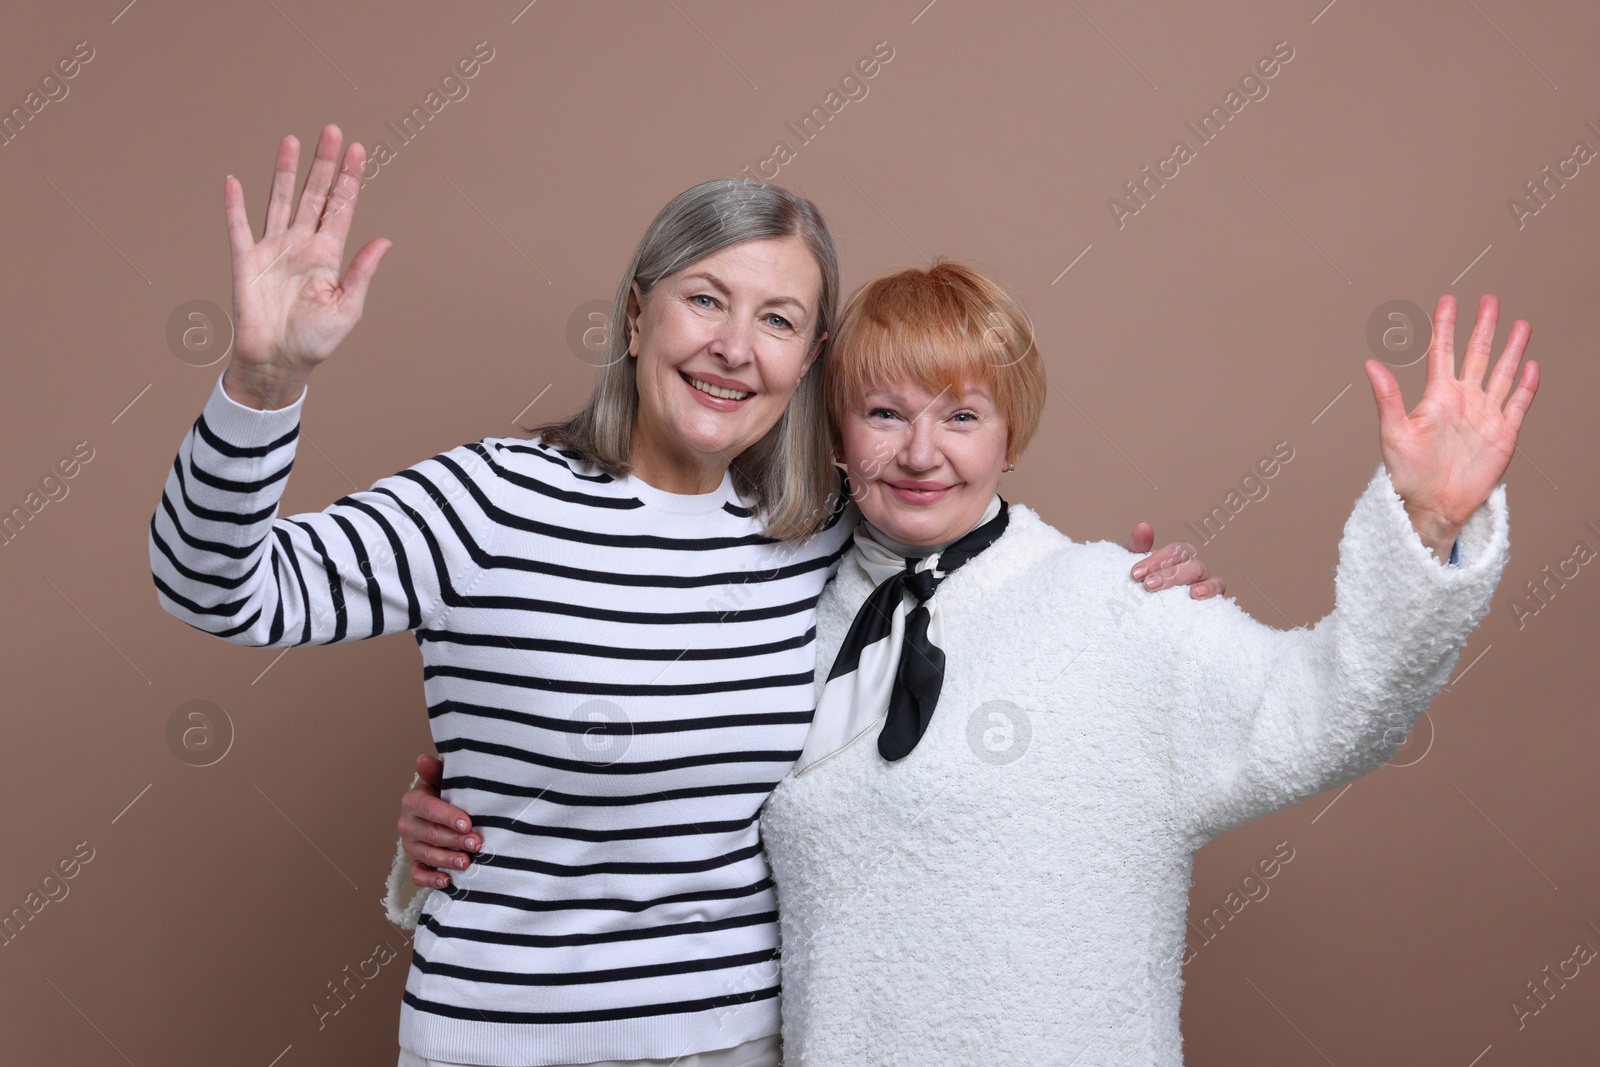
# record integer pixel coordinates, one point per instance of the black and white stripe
(616, 678)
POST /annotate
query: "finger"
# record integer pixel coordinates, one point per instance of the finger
(1505, 368)
(1386, 394)
(431, 769)
(424, 805)
(281, 197)
(358, 276)
(1442, 352)
(318, 180)
(339, 213)
(1211, 587)
(443, 858)
(428, 877)
(1517, 406)
(1481, 344)
(1182, 572)
(240, 239)
(420, 830)
(1165, 561)
(1138, 541)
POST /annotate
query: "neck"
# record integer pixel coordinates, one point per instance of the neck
(674, 467)
(903, 548)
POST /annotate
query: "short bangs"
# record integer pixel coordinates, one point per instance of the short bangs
(948, 325)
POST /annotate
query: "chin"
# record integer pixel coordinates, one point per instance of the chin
(912, 526)
(711, 437)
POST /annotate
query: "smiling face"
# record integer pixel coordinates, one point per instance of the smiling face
(721, 346)
(923, 464)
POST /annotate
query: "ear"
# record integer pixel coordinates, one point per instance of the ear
(816, 350)
(635, 305)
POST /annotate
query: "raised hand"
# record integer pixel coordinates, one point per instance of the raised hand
(1173, 564)
(291, 308)
(1451, 451)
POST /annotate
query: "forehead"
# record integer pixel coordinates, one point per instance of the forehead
(913, 392)
(775, 268)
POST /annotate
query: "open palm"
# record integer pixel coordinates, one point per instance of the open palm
(291, 307)
(1451, 451)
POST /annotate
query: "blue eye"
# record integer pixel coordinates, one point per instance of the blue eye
(875, 412)
(703, 296)
(966, 415)
(782, 322)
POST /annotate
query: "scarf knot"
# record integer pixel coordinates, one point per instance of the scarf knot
(920, 584)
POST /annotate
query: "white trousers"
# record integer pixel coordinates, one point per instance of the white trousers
(762, 1052)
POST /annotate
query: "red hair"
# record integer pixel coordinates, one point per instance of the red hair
(949, 325)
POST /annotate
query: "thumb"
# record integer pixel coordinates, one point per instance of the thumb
(358, 276)
(1386, 394)
(1140, 542)
(431, 768)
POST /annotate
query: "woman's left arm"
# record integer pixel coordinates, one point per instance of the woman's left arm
(1260, 718)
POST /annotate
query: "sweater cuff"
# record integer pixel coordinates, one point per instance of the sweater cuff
(403, 899)
(1480, 550)
(241, 425)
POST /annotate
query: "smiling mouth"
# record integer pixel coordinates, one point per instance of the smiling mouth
(715, 390)
(915, 494)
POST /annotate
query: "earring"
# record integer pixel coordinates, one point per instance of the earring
(1010, 467)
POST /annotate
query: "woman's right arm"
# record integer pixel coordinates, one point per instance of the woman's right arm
(378, 561)
(375, 561)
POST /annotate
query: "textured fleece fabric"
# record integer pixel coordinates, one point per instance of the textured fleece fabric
(1015, 890)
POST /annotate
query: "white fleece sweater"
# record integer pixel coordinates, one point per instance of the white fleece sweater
(1015, 890)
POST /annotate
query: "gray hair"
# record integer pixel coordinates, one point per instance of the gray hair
(789, 474)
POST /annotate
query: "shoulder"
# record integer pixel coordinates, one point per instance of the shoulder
(1034, 551)
(1032, 562)
(832, 537)
(1042, 563)
(530, 457)
(516, 465)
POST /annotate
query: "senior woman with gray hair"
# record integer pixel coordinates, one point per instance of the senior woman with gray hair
(645, 572)
(983, 853)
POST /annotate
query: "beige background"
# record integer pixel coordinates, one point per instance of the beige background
(1229, 314)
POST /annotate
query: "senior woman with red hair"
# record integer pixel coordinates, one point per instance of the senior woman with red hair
(983, 852)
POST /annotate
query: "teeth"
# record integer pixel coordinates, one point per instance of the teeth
(717, 390)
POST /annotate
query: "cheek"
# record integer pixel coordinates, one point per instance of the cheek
(863, 451)
(780, 370)
(982, 457)
(673, 335)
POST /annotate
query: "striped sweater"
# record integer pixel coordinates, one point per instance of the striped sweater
(616, 678)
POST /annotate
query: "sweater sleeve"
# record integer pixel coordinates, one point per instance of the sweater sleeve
(390, 558)
(1262, 718)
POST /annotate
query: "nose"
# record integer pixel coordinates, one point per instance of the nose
(734, 342)
(921, 451)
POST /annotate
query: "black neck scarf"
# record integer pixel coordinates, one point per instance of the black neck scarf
(918, 670)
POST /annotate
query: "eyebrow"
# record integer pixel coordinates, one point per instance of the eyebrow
(720, 284)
